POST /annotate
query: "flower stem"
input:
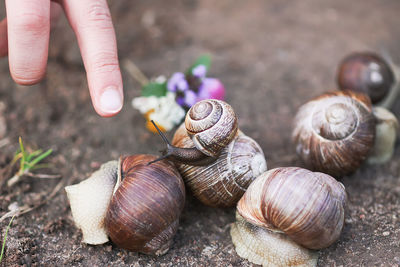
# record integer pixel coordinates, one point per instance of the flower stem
(136, 73)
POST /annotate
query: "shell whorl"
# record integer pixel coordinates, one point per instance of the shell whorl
(212, 124)
(144, 211)
(307, 206)
(333, 133)
(222, 182)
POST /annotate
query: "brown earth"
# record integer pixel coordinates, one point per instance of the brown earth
(271, 55)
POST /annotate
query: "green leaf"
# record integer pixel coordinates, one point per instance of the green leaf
(33, 154)
(40, 157)
(201, 60)
(155, 89)
(5, 238)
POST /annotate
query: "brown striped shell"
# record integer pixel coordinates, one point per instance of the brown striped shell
(334, 133)
(225, 180)
(211, 124)
(144, 211)
(307, 206)
(366, 73)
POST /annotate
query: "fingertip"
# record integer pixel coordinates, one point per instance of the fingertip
(27, 76)
(109, 101)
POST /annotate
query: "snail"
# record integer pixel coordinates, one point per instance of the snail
(216, 160)
(335, 132)
(387, 127)
(286, 215)
(369, 73)
(135, 204)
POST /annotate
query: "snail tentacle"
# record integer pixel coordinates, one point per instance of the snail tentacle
(191, 156)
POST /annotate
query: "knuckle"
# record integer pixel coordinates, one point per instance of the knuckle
(105, 62)
(32, 22)
(98, 13)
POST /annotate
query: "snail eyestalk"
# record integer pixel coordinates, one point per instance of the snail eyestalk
(190, 156)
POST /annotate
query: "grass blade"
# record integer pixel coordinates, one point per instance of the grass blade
(40, 157)
(5, 239)
(33, 154)
(21, 146)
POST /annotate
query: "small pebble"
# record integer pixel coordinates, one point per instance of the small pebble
(95, 164)
(385, 233)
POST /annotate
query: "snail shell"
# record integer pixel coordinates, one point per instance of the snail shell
(334, 132)
(212, 124)
(137, 205)
(225, 180)
(294, 208)
(367, 73)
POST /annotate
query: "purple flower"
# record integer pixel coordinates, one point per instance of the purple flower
(203, 93)
(176, 81)
(213, 87)
(190, 98)
(182, 85)
(180, 100)
(199, 71)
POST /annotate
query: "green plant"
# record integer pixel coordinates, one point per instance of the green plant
(28, 161)
(5, 238)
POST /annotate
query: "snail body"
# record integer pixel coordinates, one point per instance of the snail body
(387, 127)
(216, 160)
(335, 132)
(369, 73)
(285, 214)
(135, 204)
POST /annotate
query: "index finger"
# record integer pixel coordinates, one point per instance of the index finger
(91, 22)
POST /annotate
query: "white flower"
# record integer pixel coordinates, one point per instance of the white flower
(163, 110)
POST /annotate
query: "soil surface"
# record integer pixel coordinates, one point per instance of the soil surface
(272, 57)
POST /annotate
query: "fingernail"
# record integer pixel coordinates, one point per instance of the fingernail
(110, 100)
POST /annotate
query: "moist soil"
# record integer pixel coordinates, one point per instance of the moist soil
(272, 57)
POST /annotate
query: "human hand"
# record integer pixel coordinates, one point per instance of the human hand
(27, 27)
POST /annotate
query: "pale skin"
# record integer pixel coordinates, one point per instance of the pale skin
(24, 36)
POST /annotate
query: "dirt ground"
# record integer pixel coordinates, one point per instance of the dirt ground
(271, 55)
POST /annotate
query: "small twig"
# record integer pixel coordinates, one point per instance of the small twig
(43, 176)
(9, 214)
(135, 72)
(15, 179)
(4, 142)
(26, 209)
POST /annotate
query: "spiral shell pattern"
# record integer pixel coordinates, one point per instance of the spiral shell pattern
(223, 182)
(144, 211)
(307, 206)
(211, 124)
(334, 133)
